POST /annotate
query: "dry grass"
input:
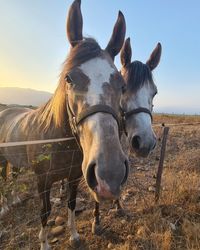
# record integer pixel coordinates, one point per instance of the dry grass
(172, 224)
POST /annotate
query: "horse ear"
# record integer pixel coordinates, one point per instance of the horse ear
(75, 23)
(118, 35)
(154, 58)
(126, 53)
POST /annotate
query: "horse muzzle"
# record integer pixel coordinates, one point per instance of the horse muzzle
(102, 187)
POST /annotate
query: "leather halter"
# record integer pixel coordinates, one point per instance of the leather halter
(126, 115)
(99, 108)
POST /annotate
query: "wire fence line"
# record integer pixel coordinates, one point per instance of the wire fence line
(34, 142)
(70, 165)
(175, 124)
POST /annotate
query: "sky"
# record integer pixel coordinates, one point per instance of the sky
(33, 43)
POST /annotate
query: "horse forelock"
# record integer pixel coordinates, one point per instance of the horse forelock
(138, 74)
(85, 50)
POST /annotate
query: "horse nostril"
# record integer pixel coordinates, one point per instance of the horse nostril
(91, 177)
(136, 142)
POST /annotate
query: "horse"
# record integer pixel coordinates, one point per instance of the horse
(137, 102)
(85, 105)
(136, 105)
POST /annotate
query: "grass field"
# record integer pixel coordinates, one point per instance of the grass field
(171, 224)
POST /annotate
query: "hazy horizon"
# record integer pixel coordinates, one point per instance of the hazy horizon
(42, 97)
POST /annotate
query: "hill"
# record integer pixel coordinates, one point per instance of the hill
(22, 96)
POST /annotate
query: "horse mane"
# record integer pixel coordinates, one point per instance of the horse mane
(137, 75)
(55, 111)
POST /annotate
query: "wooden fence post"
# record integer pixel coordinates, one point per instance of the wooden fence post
(160, 165)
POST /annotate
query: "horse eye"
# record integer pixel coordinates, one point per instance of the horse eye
(68, 79)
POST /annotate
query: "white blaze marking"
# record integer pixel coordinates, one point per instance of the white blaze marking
(98, 70)
(72, 226)
(142, 99)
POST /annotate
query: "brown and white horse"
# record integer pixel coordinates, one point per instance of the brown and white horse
(86, 104)
(136, 107)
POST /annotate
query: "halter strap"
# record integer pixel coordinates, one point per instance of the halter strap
(126, 115)
(136, 111)
(99, 108)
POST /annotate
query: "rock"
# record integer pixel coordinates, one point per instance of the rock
(54, 240)
(23, 234)
(56, 231)
(172, 226)
(141, 168)
(51, 223)
(151, 189)
(141, 231)
(57, 201)
(15, 197)
(59, 221)
(78, 199)
(129, 193)
(129, 237)
(110, 245)
(124, 197)
(123, 222)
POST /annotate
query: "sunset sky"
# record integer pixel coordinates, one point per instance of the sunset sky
(33, 43)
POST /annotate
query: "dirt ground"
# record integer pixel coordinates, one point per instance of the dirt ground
(171, 224)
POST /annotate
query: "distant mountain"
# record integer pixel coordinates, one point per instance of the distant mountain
(22, 96)
(27, 97)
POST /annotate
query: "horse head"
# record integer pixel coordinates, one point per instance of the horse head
(137, 101)
(93, 87)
